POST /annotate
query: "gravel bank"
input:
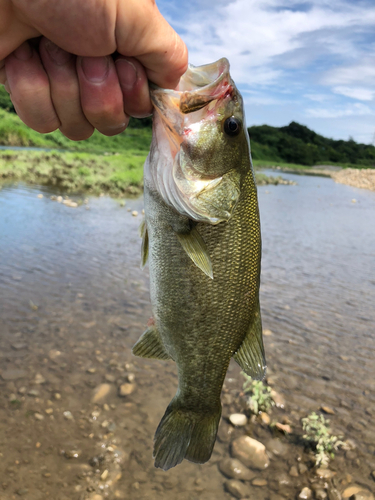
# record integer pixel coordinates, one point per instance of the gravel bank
(361, 178)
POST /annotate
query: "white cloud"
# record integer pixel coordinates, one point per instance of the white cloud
(317, 97)
(359, 93)
(357, 109)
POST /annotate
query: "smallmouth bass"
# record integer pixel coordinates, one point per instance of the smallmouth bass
(201, 235)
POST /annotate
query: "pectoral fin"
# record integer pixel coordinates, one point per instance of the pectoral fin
(144, 249)
(150, 345)
(196, 248)
(250, 355)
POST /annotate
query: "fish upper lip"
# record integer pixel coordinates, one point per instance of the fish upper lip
(210, 80)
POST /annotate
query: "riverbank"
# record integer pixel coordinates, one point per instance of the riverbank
(116, 174)
(360, 178)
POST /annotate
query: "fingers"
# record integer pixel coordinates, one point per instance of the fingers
(101, 95)
(65, 92)
(29, 89)
(134, 85)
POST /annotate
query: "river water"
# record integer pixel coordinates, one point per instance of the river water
(73, 301)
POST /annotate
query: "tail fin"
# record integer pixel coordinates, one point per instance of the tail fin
(183, 433)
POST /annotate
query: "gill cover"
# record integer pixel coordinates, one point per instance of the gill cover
(191, 161)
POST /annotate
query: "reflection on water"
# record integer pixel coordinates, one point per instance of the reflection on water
(73, 300)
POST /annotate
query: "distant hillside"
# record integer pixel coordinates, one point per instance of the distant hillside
(296, 143)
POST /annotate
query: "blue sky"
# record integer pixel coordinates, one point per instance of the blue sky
(308, 61)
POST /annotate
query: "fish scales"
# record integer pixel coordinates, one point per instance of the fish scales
(206, 308)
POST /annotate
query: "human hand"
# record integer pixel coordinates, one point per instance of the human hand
(91, 64)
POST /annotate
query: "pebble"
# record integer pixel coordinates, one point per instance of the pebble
(97, 497)
(373, 475)
(59, 199)
(305, 494)
(277, 447)
(283, 427)
(22, 491)
(38, 416)
(333, 494)
(40, 196)
(13, 374)
(357, 493)
(320, 494)
(110, 378)
(91, 370)
(251, 452)
(72, 453)
(362, 495)
(235, 469)
(57, 395)
(278, 399)
(265, 418)
(17, 346)
(238, 419)
(70, 203)
(104, 476)
(325, 473)
(237, 489)
(134, 213)
(39, 379)
(68, 415)
(302, 468)
(101, 392)
(259, 482)
(293, 471)
(267, 332)
(328, 410)
(33, 393)
(125, 389)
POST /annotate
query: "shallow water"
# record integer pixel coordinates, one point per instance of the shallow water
(73, 301)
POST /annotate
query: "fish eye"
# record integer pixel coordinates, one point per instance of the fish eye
(232, 126)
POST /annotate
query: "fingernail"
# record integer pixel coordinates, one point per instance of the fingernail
(95, 69)
(58, 56)
(23, 52)
(127, 73)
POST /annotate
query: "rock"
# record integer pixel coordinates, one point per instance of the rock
(125, 389)
(225, 432)
(325, 473)
(40, 196)
(283, 427)
(73, 453)
(17, 346)
(104, 475)
(352, 490)
(238, 419)
(327, 409)
(293, 471)
(305, 494)
(59, 199)
(363, 495)
(281, 480)
(22, 491)
(33, 393)
(70, 203)
(110, 378)
(237, 489)
(265, 418)
(68, 415)
(251, 452)
(258, 481)
(13, 374)
(267, 332)
(320, 494)
(38, 416)
(333, 494)
(278, 399)
(302, 468)
(39, 379)
(277, 447)
(101, 393)
(134, 213)
(234, 469)
(97, 497)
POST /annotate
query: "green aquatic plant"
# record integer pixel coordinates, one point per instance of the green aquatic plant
(319, 435)
(258, 394)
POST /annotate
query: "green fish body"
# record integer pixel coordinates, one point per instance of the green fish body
(201, 236)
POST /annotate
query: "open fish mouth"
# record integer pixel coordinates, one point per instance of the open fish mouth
(198, 87)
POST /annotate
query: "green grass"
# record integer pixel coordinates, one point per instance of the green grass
(118, 174)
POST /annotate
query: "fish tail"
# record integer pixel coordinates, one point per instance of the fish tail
(183, 433)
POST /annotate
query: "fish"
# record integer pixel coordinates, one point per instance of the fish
(201, 237)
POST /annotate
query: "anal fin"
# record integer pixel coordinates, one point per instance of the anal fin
(150, 345)
(196, 248)
(250, 356)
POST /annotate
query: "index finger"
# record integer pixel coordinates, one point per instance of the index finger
(153, 42)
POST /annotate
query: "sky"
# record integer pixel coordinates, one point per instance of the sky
(308, 61)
